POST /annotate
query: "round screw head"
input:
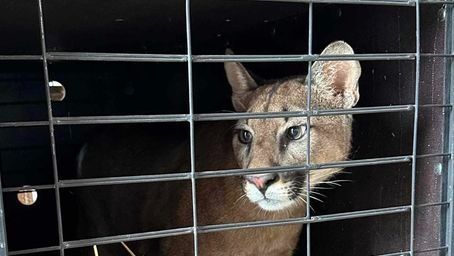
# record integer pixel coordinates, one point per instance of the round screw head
(57, 91)
(27, 196)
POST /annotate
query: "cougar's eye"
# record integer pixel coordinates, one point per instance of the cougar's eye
(245, 137)
(295, 132)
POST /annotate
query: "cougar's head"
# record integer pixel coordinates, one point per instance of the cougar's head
(271, 142)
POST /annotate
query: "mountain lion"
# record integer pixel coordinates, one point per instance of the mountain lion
(248, 143)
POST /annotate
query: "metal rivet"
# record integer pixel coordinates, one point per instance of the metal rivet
(57, 91)
(439, 169)
(27, 196)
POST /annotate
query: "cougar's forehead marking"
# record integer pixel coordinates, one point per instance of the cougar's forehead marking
(279, 97)
(284, 109)
(271, 92)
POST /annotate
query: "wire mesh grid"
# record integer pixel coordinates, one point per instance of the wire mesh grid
(192, 175)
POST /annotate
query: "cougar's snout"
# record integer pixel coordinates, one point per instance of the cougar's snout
(262, 181)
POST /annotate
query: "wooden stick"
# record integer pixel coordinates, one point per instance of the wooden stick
(95, 250)
(128, 249)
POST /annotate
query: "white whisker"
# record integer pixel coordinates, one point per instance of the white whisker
(322, 188)
(304, 201)
(316, 199)
(317, 193)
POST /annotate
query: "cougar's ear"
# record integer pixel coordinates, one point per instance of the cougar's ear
(337, 80)
(241, 82)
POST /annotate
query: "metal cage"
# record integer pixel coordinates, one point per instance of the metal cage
(188, 58)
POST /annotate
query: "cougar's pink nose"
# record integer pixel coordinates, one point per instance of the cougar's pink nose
(257, 181)
(262, 182)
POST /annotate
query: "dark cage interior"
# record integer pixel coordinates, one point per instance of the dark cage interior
(113, 88)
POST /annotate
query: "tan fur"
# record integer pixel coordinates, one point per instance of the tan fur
(222, 200)
(168, 205)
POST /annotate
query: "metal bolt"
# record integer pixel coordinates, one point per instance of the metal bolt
(57, 91)
(27, 196)
(438, 169)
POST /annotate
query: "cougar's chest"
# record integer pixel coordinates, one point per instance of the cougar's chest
(251, 241)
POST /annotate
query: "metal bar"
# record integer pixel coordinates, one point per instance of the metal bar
(415, 130)
(81, 120)
(191, 126)
(356, 2)
(138, 57)
(127, 57)
(23, 124)
(321, 112)
(20, 57)
(449, 131)
(402, 253)
(127, 237)
(366, 2)
(302, 57)
(444, 203)
(450, 180)
(219, 173)
(436, 2)
(437, 55)
(304, 220)
(37, 187)
(340, 164)
(51, 127)
(124, 180)
(363, 162)
(434, 155)
(121, 119)
(449, 106)
(3, 236)
(35, 250)
(308, 127)
(214, 174)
